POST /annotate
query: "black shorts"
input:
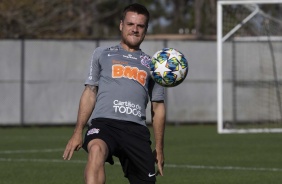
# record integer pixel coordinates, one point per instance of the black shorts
(128, 141)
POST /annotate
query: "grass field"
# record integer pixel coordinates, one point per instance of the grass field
(193, 155)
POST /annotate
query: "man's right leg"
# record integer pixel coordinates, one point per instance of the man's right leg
(95, 167)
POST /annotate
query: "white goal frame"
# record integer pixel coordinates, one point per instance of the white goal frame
(220, 39)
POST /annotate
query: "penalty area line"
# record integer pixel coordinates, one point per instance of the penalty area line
(166, 165)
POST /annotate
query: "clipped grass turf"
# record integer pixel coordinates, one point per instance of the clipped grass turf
(193, 154)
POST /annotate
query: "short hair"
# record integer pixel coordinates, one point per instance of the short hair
(137, 8)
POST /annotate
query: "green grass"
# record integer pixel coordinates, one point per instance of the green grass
(193, 154)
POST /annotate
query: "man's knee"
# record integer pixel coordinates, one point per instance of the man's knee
(97, 150)
(97, 153)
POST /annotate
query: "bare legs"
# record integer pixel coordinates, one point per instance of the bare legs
(95, 168)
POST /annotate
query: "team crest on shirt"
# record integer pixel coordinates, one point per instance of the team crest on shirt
(145, 60)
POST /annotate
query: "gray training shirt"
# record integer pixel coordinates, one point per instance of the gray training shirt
(124, 84)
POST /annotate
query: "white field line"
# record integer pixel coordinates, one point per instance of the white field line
(224, 167)
(41, 160)
(30, 151)
(117, 163)
(166, 165)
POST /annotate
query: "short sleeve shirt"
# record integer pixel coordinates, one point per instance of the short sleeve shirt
(124, 84)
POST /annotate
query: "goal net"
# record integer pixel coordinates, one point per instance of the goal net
(249, 63)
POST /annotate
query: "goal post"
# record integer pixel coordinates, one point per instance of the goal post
(249, 66)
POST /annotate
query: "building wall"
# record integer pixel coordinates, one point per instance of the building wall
(54, 72)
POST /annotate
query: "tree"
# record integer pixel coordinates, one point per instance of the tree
(59, 19)
(92, 19)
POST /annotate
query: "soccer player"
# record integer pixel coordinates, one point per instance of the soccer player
(117, 90)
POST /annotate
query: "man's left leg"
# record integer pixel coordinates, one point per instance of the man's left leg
(95, 167)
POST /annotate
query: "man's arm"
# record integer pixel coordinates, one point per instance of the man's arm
(86, 106)
(158, 121)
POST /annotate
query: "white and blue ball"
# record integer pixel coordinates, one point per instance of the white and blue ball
(169, 67)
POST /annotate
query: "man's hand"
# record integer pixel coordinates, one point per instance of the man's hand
(74, 144)
(86, 106)
(159, 161)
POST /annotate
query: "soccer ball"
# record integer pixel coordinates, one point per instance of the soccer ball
(168, 67)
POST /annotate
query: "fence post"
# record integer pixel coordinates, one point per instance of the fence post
(22, 82)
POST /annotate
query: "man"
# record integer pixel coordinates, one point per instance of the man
(117, 90)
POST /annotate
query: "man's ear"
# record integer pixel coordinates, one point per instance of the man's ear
(120, 25)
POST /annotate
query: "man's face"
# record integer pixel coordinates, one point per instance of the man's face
(133, 29)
